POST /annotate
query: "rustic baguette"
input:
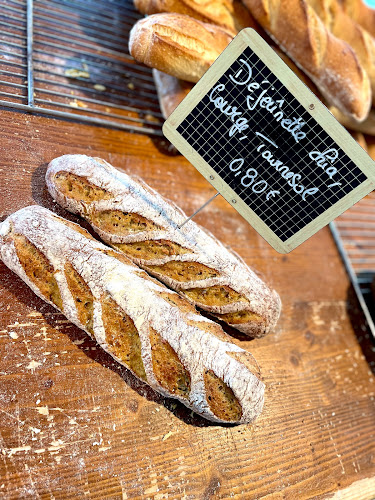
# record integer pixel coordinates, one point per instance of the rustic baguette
(171, 91)
(330, 62)
(342, 26)
(146, 327)
(135, 219)
(370, 143)
(361, 13)
(178, 45)
(230, 14)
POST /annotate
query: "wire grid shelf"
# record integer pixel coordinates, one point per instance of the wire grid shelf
(69, 58)
(354, 234)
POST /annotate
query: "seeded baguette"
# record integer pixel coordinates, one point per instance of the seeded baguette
(149, 329)
(135, 219)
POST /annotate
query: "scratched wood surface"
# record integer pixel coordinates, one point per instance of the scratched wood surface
(75, 424)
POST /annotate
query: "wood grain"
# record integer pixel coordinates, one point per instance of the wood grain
(75, 424)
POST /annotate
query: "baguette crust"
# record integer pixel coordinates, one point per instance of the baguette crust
(230, 14)
(171, 91)
(343, 26)
(178, 45)
(330, 62)
(191, 247)
(361, 13)
(169, 332)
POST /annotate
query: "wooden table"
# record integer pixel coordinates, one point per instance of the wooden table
(75, 424)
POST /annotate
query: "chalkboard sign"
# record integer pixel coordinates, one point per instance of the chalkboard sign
(268, 145)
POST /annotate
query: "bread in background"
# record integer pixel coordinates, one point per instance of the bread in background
(177, 44)
(171, 91)
(230, 14)
(330, 62)
(343, 26)
(361, 13)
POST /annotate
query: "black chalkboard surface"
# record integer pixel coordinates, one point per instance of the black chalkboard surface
(268, 145)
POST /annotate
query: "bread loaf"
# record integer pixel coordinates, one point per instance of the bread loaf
(171, 91)
(136, 220)
(178, 45)
(361, 13)
(146, 327)
(230, 14)
(343, 26)
(330, 62)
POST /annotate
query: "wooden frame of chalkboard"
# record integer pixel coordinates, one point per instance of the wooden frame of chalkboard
(286, 216)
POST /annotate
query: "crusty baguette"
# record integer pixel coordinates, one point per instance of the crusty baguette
(230, 14)
(135, 219)
(343, 26)
(330, 62)
(361, 13)
(146, 327)
(171, 91)
(178, 45)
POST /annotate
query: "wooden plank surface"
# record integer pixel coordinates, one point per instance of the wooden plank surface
(75, 424)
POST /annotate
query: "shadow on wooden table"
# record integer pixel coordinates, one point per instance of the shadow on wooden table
(361, 329)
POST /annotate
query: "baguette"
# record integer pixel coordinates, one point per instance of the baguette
(144, 326)
(230, 14)
(344, 27)
(171, 91)
(135, 219)
(361, 13)
(178, 45)
(330, 62)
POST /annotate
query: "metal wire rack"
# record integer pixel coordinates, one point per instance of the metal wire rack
(69, 58)
(354, 234)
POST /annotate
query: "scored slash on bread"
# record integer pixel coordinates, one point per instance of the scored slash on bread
(146, 327)
(136, 220)
(344, 27)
